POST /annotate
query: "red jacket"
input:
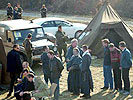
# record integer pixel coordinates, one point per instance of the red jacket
(115, 55)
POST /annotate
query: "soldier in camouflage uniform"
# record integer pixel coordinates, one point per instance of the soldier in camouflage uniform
(61, 39)
(28, 48)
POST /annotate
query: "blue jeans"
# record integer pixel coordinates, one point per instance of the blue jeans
(108, 79)
(57, 90)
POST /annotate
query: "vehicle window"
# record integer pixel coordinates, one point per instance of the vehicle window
(48, 24)
(20, 35)
(62, 23)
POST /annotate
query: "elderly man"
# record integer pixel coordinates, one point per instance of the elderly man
(14, 66)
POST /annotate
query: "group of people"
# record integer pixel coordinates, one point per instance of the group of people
(78, 61)
(14, 13)
(21, 75)
(120, 60)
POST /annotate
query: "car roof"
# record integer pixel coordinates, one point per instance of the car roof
(18, 24)
(41, 20)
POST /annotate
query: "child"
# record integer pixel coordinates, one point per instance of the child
(26, 65)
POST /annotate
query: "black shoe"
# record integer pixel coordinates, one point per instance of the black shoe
(104, 88)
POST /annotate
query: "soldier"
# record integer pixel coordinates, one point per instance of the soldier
(43, 11)
(20, 10)
(28, 48)
(56, 68)
(9, 10)
(61, 41)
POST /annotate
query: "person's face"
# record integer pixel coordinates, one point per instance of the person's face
(18, 5)
(75, 52)
(25, 65)
(17, 48)
(16, 8)
(104, 44)
(50, 56)
(111, 48)
(83, 49)
(25, 73)
(47, 50)
(30, 79)
(9, 5)
(74, 44)
(60, 29)
(121, 47)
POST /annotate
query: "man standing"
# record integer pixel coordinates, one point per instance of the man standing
(107, 69)
(9, 10)
(74, 44)
(61, 41)
(14, 66)
(15, 13)
(20, 10)
(115, 54)
(56, 68)
(45, 62)
(43, 11)
(126, 64)
(86, 77)
(28, 48)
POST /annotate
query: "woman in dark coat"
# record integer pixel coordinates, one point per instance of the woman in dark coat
(86, 77)
(74, 72)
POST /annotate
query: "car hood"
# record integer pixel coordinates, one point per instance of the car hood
(43, 42)
(79, 25)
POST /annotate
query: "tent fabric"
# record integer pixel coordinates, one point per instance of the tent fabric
(106, 24)
(5, 79)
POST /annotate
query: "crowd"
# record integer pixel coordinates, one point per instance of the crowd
(78, 61)
(16, 12)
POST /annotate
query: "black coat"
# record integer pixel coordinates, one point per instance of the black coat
(56, 68)
(14, 62)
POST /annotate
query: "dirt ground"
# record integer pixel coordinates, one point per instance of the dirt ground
(98, 94)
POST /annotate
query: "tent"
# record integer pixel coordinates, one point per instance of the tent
(106, 24)
(5, 79)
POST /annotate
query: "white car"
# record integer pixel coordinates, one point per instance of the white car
(51, 26)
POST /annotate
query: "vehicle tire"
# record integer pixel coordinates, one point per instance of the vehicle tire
(77, 33)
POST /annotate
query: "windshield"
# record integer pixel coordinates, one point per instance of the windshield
(20, 35)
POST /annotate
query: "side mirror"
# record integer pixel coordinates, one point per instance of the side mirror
(9, 40)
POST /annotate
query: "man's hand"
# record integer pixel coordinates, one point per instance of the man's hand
(120, 68)
(67, 60)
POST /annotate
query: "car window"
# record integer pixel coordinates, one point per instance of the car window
(62, 23)
(83, 35)
(48, 24)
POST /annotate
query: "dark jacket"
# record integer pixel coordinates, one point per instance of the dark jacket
(9, 11)
(15, 14)
(74, 63)
(45, 63)
(107, 58)
(86, 77)
(14, 63)
(20, 10)
(126, 59)
(70, 52)
(56, 68)
(43, 12)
